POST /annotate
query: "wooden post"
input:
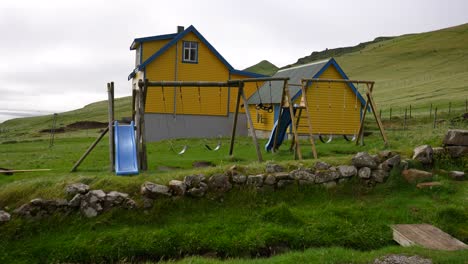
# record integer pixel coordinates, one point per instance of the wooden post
(249, 120)
(143, 155)
(404, 124)
(278, 124)
(390, 114)
(435, 117)
(380, 113)
(450, 108)
(234, 125)
(361, 126)
(298, 120)
(89, 150)
(309, 119)
(374, 111)
(430, 111)
(466, 105)
(410, 111)
(110, 100)
(293, 121)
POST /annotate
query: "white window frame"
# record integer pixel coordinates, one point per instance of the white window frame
(190, 52)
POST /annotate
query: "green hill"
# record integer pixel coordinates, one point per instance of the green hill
(264, 67)
(415, 69)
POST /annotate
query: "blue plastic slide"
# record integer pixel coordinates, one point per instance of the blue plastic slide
(125, 149)
(285, 122)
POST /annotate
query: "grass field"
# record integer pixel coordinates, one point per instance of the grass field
(345, 224)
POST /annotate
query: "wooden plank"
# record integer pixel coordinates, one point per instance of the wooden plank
(251, 126)
(110, 100)
(376, 116)
(234, 125)
(309, 119)
(293, 121)
(89, 149)
(7, 171)
(427, 236)
(360, 135)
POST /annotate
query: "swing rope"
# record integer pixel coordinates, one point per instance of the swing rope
(268, 108)
(218, 146)
(185, 147)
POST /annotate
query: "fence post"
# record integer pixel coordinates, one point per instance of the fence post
(466, 105)
(380, 114)
(435, 117)
(410, 111)
(450, 108)
(390, 114)
(404, 124)
(430, 111)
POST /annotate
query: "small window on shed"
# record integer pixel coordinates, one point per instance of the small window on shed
(190, 52)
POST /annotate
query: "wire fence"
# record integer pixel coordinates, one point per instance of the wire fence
(402, 117)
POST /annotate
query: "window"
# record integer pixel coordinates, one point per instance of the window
(190, 52)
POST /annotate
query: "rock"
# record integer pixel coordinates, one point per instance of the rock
(38, 208)
(386, 154)
(75, 188)
(404, 164)
(413, 175)
(283, 183)
(4, 217)
(319, 165)
(129, 204)
(379, 175)
(423, 154)
(456, 137)
(363, 159)
(239, 179)
(301, 174)
(457, 175)
(282, 176)
(424, 185)
(232, 171)
(402, 259)
(26, 210)
(347, 171)
(270, 180)
(75, 201)
(272, 168)
(115, 198)
(177, 187)
(255, 180)
(391, 163)
(153, 191)
(438, 151)
(343, 180)
(376, 158)
(330, 184)
(198, 191)
(457, 151)
(192, 181)
(219, 183)
(147, 203)
(326, 176)
(92, 203)
(364, 173)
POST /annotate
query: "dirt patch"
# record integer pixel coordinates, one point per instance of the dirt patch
(402, 259)
(87, 125)
(202, 164)
(57, 130)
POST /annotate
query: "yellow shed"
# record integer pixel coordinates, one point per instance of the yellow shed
(187, 112)
(335, 108)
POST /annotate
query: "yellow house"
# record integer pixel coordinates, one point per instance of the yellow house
(335, 108)
(187, 112)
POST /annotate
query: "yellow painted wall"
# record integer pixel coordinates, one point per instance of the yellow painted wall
(189, 100)
(334, 108)
(150, 47)
(262, 120)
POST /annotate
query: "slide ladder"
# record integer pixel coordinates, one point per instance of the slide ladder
(284, 124)
(126, 162)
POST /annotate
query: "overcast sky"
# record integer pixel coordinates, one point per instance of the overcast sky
(59, 55)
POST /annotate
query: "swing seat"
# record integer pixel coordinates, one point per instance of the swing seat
(182, 151)
(330, 138)
(350, 139)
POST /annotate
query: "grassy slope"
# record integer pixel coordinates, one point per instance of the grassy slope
(415, 69)
(264, 67)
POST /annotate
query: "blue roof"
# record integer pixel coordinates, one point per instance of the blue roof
(136, 42)
(175, 38)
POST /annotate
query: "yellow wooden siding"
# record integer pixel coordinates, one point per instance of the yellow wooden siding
(262, 120)
(151, 47)
(189, 100)
(334, 108)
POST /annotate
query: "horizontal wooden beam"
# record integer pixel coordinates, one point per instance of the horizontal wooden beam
(184, 84)
(336, 80)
